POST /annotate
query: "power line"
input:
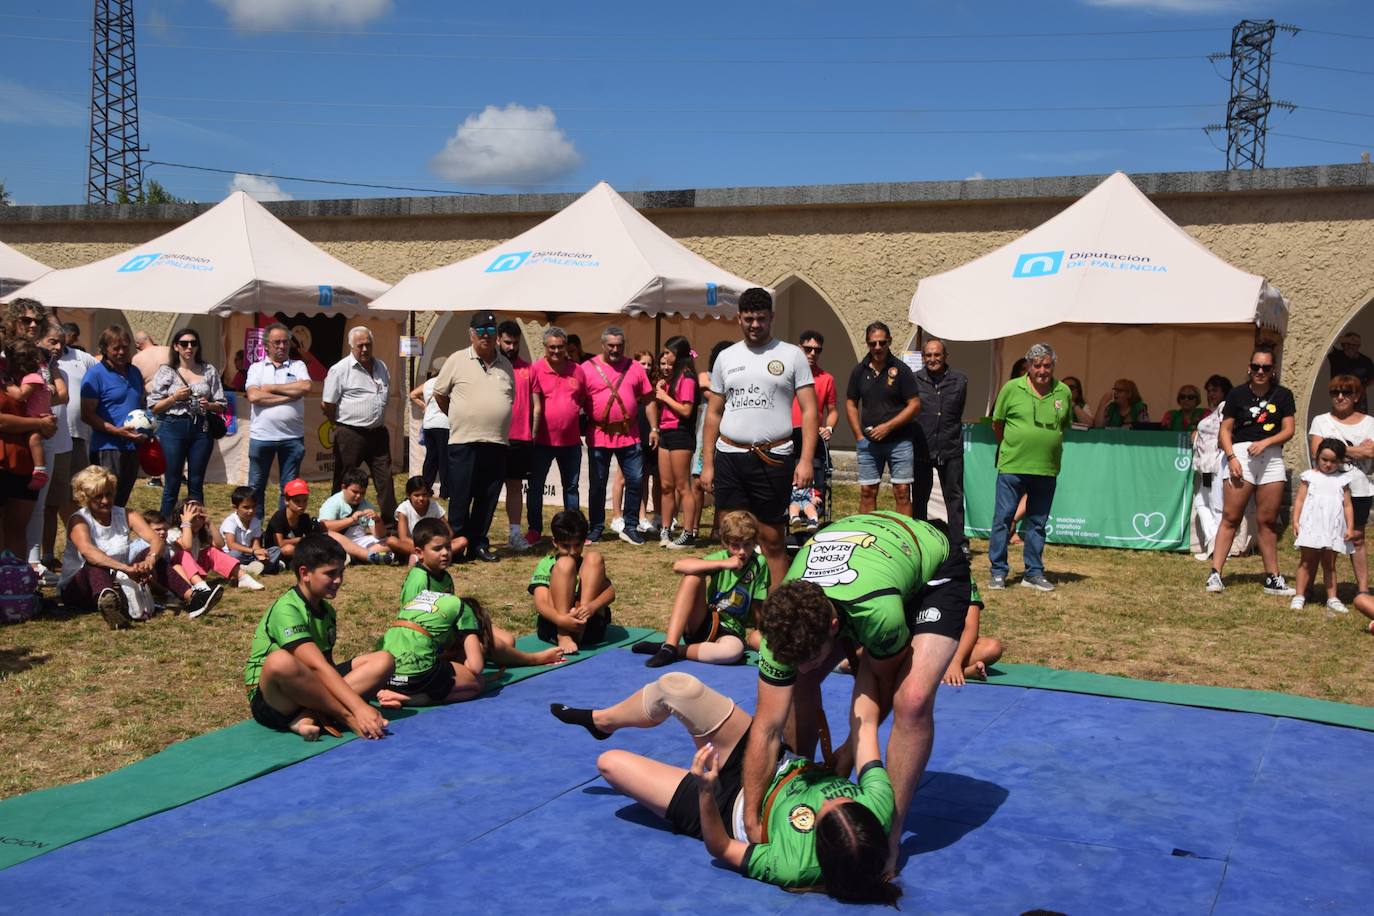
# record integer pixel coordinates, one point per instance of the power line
(351, 184)
(1306, 66)
(1323, 140)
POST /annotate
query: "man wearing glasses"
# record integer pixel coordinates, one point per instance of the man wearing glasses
(813, 345)
(355, 395)
(477, 390)
(881, 402)
(1029, 418)
(562, 389)
(1257, 419)
(276, 386)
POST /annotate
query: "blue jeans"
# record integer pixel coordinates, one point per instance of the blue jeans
(436, 460)
(631, 459)
(569, 458)
(187, 445)
(1039, 492)
(287, 453)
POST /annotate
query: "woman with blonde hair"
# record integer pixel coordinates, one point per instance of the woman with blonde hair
(1122, 408)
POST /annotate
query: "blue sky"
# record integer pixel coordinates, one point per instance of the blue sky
(545, 96)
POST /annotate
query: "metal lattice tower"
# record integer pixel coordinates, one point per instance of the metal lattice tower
(1247, 111)
(116, 161)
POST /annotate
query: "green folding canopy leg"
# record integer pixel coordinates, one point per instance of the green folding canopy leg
(41, 821)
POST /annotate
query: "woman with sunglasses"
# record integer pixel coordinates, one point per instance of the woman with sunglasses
(1356, 429)
(1257, 419)
(1190, 411)
(184, 393)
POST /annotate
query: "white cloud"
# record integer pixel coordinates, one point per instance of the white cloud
(511, 145)
(976, 176)
(1171, 6)
(275, 14)
(258, 188)
(22, 105)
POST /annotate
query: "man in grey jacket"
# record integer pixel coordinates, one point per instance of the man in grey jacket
(939, 436)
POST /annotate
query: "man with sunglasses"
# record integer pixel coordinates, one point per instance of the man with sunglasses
(1257, 419)
(477, 390)
(813, 345)
(881, 402)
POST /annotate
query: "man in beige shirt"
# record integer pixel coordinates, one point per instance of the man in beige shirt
(477, 390)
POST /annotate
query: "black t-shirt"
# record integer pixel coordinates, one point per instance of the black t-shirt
(1359, 365)
(1257, 417)
(278, 527)
(882, 394)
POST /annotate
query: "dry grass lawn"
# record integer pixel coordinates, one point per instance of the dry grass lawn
(77, 700)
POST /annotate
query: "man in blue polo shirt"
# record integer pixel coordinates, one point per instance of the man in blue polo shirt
(111, 390)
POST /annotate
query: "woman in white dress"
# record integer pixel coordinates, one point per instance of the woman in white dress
(1346, 423)
(1323, 518)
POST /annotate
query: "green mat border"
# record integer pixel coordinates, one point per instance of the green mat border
(38, 822)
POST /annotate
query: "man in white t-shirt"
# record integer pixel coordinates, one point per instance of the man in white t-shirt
(276, 386)
(748, 460)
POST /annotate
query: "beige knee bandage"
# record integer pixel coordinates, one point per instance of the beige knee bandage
(698, 707)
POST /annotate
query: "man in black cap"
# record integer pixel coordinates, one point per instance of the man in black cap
(477, 389)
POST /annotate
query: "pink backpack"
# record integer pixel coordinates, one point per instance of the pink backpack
(18, 589)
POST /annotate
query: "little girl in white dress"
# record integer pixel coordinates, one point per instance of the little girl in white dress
(1323, 518)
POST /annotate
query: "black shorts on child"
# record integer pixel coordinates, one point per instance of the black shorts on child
(436, 683)
(264, 714)
(593, 633)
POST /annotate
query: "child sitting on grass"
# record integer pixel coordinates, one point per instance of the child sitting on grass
(974, 653)
(291, 523)
(194, 552)
(572, 593)
(715, 599)
(349, 515)
(293, 682)
(419, 504)
(241, 535)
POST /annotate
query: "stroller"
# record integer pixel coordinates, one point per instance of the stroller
(823, 470)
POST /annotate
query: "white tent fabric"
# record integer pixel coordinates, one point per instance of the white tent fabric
(17, 269)
(234, 257)
(1110, 258)
(596, 256)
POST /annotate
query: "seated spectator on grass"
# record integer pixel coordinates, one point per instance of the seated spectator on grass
(1122, 408)
(975, 652)
(241, 535)
(292, 522)
(194, 552)
(572, 593)
(349, 514)
(715, 599)
(419, 504)
(292, 679)
(98, 547)
(1189, 412)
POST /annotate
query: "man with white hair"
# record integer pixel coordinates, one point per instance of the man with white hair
(1029, 419)
(355, 397)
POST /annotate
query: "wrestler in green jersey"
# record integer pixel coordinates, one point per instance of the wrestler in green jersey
(290, 621)
(731, 593)
(444, 617)
(869, 566)
(419, 579)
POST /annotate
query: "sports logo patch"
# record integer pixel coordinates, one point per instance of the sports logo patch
(802, 818)
(929, 615)
(775, 367)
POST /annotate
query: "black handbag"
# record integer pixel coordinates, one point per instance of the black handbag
(215, 425)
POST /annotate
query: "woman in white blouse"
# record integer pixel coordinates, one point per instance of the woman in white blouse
(1356, 430)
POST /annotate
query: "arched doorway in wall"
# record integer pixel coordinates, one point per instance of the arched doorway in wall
(1315, 400)
(800, 305)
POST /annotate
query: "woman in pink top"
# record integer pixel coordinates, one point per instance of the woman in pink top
(676, 393)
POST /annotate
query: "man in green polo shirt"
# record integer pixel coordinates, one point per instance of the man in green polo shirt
(1029, 419)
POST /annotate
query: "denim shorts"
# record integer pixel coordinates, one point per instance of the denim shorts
(897, 455)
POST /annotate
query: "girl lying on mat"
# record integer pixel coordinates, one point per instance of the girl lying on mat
(821, 830)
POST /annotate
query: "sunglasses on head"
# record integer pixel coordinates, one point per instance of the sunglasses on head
(1261, 367)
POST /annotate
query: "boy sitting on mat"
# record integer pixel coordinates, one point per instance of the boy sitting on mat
(571, 591)
(975, 653)
(441, 643)
(293, 682)
(715, 599)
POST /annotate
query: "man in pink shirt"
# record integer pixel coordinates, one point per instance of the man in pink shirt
(616, 386)
(524, 419)
(560, 385)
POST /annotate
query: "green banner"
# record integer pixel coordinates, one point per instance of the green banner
(1117, 488)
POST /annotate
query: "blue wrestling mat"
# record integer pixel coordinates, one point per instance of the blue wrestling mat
(1033, 799)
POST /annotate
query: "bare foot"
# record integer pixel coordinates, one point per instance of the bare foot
(567, 645)
(306, 727)
(552, 656)
(977, 671)
(390, 699)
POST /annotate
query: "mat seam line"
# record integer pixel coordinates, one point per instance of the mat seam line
(1244, 809)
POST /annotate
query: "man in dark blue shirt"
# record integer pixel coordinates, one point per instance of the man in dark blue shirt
(939, 436)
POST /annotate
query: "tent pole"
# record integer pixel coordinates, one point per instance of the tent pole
(658, 336)
(410, 332)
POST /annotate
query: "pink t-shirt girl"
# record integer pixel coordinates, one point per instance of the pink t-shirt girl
(39, 403)
(684, 392)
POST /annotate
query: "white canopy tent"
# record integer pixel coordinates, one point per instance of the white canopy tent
(1117, 289)
(18, 269)
(234, 257)
(598, 255)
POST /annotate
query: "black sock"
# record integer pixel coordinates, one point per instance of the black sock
(574, 716)
(647, 647)
(665, 655)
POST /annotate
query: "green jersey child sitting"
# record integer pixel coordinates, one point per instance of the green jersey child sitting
(572, 593)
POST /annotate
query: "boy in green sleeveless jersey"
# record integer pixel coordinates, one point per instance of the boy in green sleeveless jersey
(572, 593)
(819, 828)
(292, 680)
(885, 587)
(715, 599)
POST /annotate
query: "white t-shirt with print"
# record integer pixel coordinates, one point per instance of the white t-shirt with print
(1328, 427)
(758, 385)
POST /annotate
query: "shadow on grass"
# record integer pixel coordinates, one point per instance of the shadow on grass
(20, 658)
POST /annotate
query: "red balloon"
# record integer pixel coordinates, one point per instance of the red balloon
(151, 458)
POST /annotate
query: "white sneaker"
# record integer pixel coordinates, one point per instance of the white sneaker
(247, 581)
(1336, 606)
(1214, 583)
(618, 524)
(253, 568)
(1298, 603)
